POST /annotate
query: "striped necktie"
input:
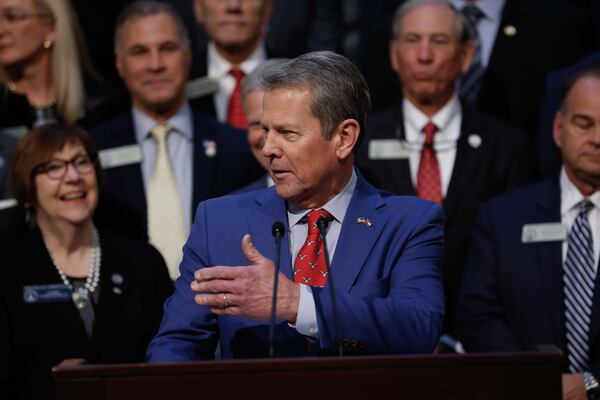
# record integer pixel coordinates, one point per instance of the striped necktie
(579, 278)
(470, 82)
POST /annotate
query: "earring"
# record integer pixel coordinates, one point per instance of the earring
(47, 44)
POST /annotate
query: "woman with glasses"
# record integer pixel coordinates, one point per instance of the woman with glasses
(68, 289)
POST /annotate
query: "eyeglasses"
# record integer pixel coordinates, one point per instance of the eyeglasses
(57, 169)
(13, 17)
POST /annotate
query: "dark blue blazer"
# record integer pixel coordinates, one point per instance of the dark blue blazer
(388, 285)
(232, 167)
(512, 294)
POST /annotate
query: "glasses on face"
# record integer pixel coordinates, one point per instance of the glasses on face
(57, 169)
(13, 17)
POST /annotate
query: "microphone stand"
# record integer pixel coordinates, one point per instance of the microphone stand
(277, 231)
(322, 224)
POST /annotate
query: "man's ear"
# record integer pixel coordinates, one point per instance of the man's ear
(346, 138)
(557, 127)
(467, 52)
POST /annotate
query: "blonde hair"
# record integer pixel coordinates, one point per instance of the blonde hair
(67, 60)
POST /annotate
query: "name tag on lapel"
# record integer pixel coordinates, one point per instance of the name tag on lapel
(544, 232)
(120, 156)
(388, 149)
(56, 293)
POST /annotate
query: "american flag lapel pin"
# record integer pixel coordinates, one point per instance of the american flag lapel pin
(363, 220)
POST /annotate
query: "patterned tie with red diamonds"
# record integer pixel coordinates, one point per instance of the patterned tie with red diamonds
(310, 267)
(428, 175)
(235, 111)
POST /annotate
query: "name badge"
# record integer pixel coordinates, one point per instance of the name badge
(388, 149)
(120, 156)
(544, 232)
(56, 293)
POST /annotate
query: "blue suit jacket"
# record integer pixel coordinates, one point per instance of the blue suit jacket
(512, 295)
(232, 167)
(387, 277)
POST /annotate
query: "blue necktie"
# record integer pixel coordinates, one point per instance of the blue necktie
(579, 278)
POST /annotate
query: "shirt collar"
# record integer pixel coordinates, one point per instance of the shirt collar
(417, 119)
(218, 67)
(492, 9)
(181, 122)
(337, 206)
(570, 196)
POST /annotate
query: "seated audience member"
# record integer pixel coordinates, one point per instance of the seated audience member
(385, 251)
(431, 142)
(42, 64)
(161, 157)
(531, 276)
(69, 290)
(234, 49)
(548, 154)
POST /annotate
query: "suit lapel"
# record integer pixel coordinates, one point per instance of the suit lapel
(466, 162)
(356, 239)
(550, 260)
(270, 208)
(204, 167)
(399, 170)
(133, 192)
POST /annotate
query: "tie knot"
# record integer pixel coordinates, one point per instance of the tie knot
(585, 206)
(472, 13)
(314, 216)
(237, 73)
(429, 130)
(160, 132)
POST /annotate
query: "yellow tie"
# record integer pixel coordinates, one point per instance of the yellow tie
(166, 229)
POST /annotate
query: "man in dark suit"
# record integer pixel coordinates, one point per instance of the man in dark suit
(531, 276)
(197, 157)
(469, 158)
(235, 47)
(385, 250)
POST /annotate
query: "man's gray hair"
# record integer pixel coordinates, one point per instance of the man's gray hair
(254, 80)
(462, 30)
(139, 9)
(338, 90)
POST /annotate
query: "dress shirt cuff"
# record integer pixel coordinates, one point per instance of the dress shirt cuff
(306, 323)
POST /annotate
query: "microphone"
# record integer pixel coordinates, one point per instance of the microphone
(277, 230)
(322, 224)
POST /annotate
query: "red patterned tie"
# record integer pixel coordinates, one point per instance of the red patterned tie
(310, 267)
(235, 111)
(428, 175)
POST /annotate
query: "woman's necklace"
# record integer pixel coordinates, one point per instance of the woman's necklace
(81, 296)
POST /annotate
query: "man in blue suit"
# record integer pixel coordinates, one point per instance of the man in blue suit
(531, 276)
(205, 158)
(385, 250)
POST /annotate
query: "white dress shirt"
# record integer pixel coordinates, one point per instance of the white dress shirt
(218, 69)
(180, 147)
(306, 321)
(488, 25)
(570, 197)
(448, 120)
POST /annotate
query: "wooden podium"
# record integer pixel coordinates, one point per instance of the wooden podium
(514, 376)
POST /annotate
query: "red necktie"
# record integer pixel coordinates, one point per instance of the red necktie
(310, 267)
(428, 175)
(235, 111)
